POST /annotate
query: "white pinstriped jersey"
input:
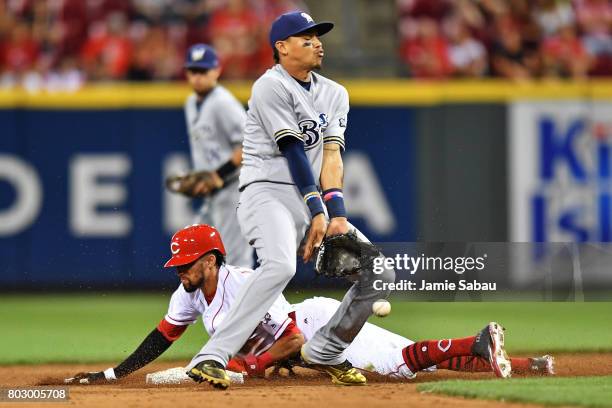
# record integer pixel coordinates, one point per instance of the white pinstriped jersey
(374, 349)
(185, 308)
(215, 128)
(280, 107)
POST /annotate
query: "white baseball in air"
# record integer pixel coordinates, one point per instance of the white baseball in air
(381, 308)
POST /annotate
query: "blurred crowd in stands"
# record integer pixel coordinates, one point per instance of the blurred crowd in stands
(517, 39)
(59, 44)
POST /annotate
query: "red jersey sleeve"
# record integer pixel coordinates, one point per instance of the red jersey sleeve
(170, 331)
(291, 329)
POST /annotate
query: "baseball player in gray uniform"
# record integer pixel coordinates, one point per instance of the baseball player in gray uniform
(293, 140)
(215, 122)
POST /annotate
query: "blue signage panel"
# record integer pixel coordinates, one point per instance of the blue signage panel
(82, 200)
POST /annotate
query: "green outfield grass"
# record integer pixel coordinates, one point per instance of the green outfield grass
(95, 327)
(579, 391)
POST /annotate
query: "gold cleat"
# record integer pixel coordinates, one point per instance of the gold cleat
(341, 374)
(211, 372)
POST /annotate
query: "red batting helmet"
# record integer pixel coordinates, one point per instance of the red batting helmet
(190, 243)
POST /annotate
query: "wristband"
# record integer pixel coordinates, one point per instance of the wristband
(334, 200)
(225, 170)
(312, 198)
(109, 374)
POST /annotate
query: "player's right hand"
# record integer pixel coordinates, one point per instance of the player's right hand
(87, 378)
(318, 227)
(208, 185)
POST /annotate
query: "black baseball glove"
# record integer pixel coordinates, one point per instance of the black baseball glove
(195, 184)
(344, 255)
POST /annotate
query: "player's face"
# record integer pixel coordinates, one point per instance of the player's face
(306, 50)
(202, 80)
(191, 275)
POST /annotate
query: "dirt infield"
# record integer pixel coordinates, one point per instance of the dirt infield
(309, 389)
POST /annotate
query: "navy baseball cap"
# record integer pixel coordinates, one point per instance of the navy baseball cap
(293, 23)
(201, 56)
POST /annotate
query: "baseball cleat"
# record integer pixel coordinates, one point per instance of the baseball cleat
(544, 365)
(212, 372)
(489, 344)
(341, 374)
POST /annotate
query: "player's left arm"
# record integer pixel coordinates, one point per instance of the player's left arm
(332, 174)
(332, 170)
(180, 315)
(217, 179)
(287, 345)
(230, 117)
(153, 346)
(237, 156)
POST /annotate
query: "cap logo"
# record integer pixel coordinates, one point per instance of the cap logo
(198, 54)
(175, 248)
(307, 17)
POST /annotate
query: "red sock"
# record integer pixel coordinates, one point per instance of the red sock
(424, 354)
(520, 364)
(470, 364)
(475, 364)
(265, 360)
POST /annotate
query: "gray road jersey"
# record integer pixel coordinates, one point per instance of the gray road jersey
(280, 107)
(215, 129)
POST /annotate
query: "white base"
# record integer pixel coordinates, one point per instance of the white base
(178, 375)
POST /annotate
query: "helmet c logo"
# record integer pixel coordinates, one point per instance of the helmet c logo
(175, 248)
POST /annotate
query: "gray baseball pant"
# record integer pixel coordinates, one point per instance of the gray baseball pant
(273, 218)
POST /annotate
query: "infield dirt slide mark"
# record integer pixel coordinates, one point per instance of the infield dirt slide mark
(309, 389)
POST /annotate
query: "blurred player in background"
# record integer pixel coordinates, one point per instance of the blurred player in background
(209, 288)
(215, 122)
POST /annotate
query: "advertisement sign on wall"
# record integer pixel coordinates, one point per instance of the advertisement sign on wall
(560, 169)
(82, 199)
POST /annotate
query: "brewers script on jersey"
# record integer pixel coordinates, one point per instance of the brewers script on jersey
(279, 108)
(272, 213)
(215, 129)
